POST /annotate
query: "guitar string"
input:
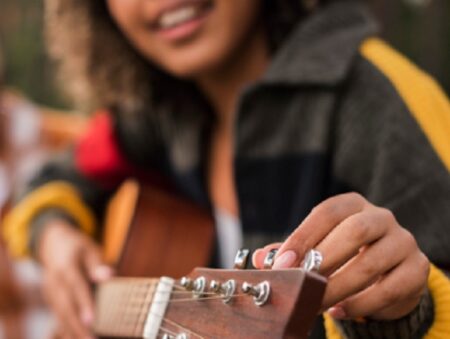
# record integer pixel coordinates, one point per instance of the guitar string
(174, 323)
(180, 288)
(206, 298)
(190, 300)
(187, 300)
(199, 299)
(184, 292)
(171, 322)
(162, 317)
(166, 331)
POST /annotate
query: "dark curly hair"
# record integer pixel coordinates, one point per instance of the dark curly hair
(100, 68)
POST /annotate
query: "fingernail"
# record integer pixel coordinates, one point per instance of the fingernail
(102, 273)
(255, 260)
(337, 312)
(87, 317)
(286, 260)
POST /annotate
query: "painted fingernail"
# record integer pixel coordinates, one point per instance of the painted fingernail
(256, 260)
(102, 273)
(87, 317)
(286, 260)
(337, 312)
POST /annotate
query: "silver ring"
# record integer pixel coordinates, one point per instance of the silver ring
(313, 260)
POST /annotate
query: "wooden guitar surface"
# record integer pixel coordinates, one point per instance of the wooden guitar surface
(152, 233)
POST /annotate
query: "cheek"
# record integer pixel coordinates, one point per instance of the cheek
(231, 25)
(228, 25)
(129, 18)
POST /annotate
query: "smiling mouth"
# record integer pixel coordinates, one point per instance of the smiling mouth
(182, 14)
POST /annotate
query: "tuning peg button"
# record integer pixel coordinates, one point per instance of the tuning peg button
(260, 292)
(178, 336)
(270, 258)
(241, 259)
(226, 290)
(197, 286)
(187, 283)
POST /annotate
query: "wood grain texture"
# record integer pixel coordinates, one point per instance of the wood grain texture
(168, 236)
(289, 313)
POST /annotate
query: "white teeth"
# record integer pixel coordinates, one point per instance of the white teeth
(178, 16)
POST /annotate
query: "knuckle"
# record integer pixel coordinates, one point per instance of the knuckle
(387, 216)
(360, 230)
(390, 295)
(369, 268)
(325, 208)
(423, 266)
(354, 196)
(408, 239)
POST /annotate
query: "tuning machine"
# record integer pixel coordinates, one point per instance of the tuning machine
(226, 289)
(241, 259)
(260, 292)
(197, 286)
(178, 336)
(270, 258)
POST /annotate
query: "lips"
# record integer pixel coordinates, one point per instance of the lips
(181, 13)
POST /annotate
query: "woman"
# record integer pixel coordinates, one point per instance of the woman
(261, 110)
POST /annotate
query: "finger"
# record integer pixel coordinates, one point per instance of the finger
(65, 311)
(96, 269)
(393, 296)
(260, 254)
(345, 241)
(322, 219)
(59, 334)
(369, 265)
(82, 295)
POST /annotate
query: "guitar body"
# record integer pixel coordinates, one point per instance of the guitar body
(151, 233)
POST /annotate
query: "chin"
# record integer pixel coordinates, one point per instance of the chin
(195, 64)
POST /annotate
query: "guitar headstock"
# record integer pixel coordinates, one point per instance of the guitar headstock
(248, 303)
(211, 303)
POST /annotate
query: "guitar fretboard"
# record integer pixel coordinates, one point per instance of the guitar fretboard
(131, 307)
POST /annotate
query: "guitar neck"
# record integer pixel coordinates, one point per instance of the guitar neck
(132, 307)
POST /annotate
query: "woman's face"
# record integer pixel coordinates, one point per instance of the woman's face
(187, 38)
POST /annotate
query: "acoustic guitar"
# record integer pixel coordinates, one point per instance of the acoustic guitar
(152, 233)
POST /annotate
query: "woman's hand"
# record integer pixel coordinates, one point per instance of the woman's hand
(71, 261)
(374, 266)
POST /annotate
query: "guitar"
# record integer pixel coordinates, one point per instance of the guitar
(205, 303)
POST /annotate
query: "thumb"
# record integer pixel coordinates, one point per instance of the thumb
(96, 269)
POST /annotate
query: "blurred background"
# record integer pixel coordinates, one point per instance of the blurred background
(36, 120)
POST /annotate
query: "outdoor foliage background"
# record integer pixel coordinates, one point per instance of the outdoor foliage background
(418, 28)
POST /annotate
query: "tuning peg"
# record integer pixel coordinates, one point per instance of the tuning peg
(226, 290)
(260, 292)
(241, 259)
(270, 258)
(197, 286)
(187, 283)
(178, 336)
